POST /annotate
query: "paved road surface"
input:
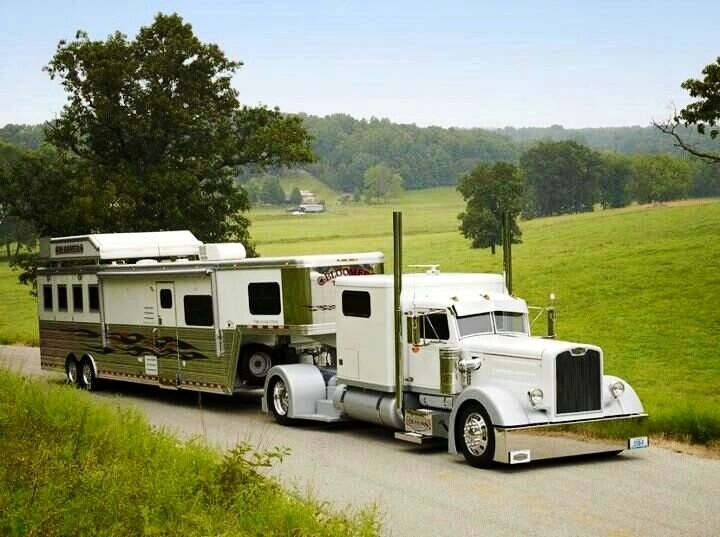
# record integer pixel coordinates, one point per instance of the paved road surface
(429, 492)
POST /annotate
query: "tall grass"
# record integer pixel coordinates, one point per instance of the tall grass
(72, 466)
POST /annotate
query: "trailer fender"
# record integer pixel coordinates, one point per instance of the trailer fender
(502, 407)
(627, 403)
(305, 386)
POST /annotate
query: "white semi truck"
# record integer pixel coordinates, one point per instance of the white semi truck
(451, 357)
(329, 338)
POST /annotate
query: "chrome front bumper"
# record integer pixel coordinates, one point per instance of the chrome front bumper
(536, 442)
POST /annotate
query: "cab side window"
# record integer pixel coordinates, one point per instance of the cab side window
(434, 326)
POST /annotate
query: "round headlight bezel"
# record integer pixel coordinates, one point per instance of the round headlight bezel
(617, 389)
(536, 396)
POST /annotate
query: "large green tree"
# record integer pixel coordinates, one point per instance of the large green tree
(660, 178)
(560, 177)
(703, 113)
(614, 177)
(153, 133)
(490, 190)
(381, 182)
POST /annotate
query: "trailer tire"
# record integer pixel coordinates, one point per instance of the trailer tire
(255, 362)
(278, 401)
(88, 379)
(475, 435)
(72, 371)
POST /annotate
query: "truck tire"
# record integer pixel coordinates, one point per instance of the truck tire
(88, 379)
(475, 435)
(278, 401)
(255, 362)
(72, 371)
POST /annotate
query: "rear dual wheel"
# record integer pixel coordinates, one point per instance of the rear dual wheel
(81, 374)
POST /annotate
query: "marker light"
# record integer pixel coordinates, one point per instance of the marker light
(617, 389)
(536, 396)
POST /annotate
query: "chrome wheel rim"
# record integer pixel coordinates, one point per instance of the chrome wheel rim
(475, 434)
(281, 398)
(71, 372)
(259, 364)
(87, 374)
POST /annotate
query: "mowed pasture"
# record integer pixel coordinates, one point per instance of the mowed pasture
(642, 282)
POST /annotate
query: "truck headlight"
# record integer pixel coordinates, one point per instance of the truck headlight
(617, 389)
(536, 397)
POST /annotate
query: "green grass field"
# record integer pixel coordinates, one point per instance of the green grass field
(641, 282)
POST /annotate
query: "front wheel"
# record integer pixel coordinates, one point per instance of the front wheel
(475, 435)
(278, 400)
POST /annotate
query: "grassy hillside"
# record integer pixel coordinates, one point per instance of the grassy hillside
(18, 311)
(74, 466)
(642, 282)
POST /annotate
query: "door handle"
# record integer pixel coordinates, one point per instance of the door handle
(154, 331)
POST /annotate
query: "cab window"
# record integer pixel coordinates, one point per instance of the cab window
(434, 326)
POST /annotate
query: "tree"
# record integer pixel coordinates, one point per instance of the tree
(614, 178)
(153, 131)
(295, 197)
(381, 182)
(561, 177)
(703, 113)
(490, 190)
(271, 192)
(660, 178)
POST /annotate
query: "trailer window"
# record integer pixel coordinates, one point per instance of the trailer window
(356, 304)
(62, 297)
(198, 310)
(264, 298)
(47, 298)
(435, 326)
(93, 298)
(77, 298)
(165, 299)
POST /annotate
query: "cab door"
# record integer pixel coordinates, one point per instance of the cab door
(166, 335)
(424, 356)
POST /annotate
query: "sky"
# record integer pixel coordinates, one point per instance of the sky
(464, 64)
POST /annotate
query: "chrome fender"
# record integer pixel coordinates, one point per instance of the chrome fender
(503, 408)
(305, 386)
(628, 403)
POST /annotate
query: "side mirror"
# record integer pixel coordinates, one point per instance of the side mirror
(413, 330)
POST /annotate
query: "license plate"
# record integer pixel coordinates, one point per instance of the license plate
(638, 442)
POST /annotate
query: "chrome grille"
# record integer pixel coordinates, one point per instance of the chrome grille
(577, 382)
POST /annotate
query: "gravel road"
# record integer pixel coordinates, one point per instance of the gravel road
(429, 492)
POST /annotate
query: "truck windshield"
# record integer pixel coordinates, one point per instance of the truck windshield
(510, 321)
(471, 325)
(481, 323)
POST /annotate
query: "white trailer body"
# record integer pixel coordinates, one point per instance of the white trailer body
(163, 308)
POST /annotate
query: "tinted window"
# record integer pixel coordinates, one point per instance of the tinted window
(264, 298)
(93, 298)
(165, 299)
(198, 310)
(356, 304)
(47, 298)
(474, 324)
(77, 298)
(434, 326)
(62, 297)
(510, 321)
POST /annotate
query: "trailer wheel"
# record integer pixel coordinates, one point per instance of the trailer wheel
(475, 435)
(278, 400)
(72, 371)
(255, 362)
(88, 379)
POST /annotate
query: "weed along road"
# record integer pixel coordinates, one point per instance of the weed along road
(429, 492)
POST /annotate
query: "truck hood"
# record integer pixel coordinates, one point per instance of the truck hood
(517, 345)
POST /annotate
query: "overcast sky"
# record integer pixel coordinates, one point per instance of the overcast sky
(465, 64)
